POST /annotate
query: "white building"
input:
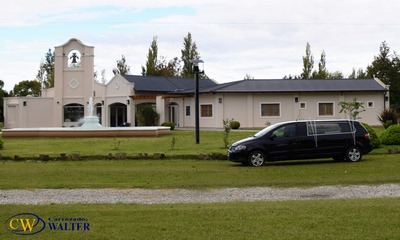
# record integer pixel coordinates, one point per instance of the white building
(254, 103)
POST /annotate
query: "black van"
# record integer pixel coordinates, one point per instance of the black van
(337, 139)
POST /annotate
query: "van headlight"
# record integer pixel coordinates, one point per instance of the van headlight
(239, 148)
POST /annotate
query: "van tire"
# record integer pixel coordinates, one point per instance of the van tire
(256, 158)
(353, 154)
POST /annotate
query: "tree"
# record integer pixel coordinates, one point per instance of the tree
(386, 67)
(248, 77)
(189, 52)
(168, 69)
(360, 73)
(3, 94)
(152, 56)
(290, 76)
(103, 76)
(382, 64)
(26, 88)
(45, 74)
(308, 63)
(353, 109)
(322, 71)
(122, 67)
(335, 75)
(146, 115)
(159, 66)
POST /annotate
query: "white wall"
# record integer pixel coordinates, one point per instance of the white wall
(246, 107)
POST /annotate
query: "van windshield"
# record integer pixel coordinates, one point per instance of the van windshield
(266, 130)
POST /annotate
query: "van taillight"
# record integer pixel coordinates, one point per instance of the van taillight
(366, 136)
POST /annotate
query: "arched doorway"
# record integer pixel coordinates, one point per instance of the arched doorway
(173, 109)
(118, 114)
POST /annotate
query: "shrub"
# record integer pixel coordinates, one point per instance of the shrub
(235, 124)
(146, 115)
(227, 129)
(388, 117)
(372, 135)
(1, 144)
(391, 136)
(168, 124)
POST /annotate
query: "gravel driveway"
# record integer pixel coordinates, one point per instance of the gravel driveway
(146, 196)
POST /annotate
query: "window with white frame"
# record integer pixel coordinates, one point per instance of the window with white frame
(187, 110)
(270, 109)
(325, 109)
(206, 110)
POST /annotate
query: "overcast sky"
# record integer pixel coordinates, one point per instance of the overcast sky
(265, 39)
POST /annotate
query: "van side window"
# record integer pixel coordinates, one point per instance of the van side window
(314, 128)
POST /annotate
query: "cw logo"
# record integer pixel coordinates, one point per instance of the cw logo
(25, 224)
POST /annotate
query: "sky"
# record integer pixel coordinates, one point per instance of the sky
(265, 39)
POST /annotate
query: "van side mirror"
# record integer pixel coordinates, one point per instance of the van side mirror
(273, 136)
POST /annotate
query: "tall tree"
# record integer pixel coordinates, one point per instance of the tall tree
(159, 66)
(386, 67)
(382, 64)
(122, 67)
(322, 72)
(45, 74)
(26, 88)
(189, 52)
(308, 63)
(152, 57)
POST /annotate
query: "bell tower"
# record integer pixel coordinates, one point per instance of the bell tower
(73, 77)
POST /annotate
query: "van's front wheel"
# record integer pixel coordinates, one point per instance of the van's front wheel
(256, 159)
(353, 154)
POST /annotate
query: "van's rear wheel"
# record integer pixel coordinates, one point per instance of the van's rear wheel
(256, 159)
(353, 154)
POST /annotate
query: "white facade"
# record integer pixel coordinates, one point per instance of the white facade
(115, 103)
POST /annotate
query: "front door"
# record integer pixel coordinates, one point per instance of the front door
(118, 114)
(174, 114)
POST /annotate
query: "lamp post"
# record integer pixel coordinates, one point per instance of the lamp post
(196, 71)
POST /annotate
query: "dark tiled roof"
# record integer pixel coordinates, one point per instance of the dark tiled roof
(187, 85)
(297, 85)
(166, 84)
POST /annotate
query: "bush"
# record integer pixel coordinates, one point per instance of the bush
(388, 117)
(235, 124)
(168, 124)
(391, 136)
(146, 115)
(372, 135)
(1, 144)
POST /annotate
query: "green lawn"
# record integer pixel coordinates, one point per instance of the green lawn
(307, 219)
(210, 142)
(322, 219)
(373, 169)
(178, 145)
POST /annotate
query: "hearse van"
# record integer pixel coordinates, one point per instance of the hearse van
(295, 140)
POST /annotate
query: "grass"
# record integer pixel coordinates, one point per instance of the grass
(184, 147)
(196, 174)
(311, 219)
(308, 219)
(210, 142)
